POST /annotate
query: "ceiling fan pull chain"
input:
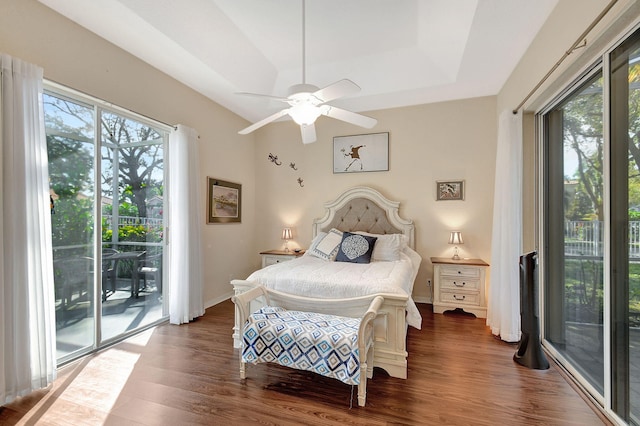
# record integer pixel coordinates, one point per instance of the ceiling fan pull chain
(304, 42)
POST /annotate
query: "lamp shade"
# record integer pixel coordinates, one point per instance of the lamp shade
(455, 237)
(286, 233)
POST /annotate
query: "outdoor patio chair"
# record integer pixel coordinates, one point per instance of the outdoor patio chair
(149, 266)
(109, 273)
(73, 275)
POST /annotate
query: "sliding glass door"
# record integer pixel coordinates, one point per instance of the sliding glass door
(132, 170)
(575, 227)
(625, 228)
(591, 232)
(107, 186)
(70, 143)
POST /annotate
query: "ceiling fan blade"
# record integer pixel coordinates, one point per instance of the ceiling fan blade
(275, 98)
(264, 121)
(337, 90)
(350, 117)
(308, 133)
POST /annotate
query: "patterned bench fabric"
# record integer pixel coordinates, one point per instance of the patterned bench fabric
(324, 344)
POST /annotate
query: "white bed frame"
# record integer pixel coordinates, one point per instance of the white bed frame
(364, 209)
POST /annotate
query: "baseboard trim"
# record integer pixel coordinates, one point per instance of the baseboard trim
(220, 299)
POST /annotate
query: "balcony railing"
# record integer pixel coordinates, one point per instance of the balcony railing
(148, 222)
(585, 238)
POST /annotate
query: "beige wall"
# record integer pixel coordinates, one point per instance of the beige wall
(77, 58)
(448, 140)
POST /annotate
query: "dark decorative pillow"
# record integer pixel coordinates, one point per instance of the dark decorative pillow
(355, 248)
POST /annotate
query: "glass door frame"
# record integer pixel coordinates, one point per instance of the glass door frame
(99, 106)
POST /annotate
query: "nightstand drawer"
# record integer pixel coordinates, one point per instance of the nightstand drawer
(460, 283)
(460, 271)
(460, 298)
(272, 260)
(271, 257)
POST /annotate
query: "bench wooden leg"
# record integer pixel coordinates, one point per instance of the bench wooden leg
(243, 374)
(370, 363)
(362, 387)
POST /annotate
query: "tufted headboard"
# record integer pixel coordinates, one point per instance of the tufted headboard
(364, 209)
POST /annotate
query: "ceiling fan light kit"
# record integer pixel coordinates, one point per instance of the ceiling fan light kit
(305, 114)
(307, 103)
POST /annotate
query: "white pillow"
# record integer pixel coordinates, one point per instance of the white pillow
(388, 246)
(326, 244)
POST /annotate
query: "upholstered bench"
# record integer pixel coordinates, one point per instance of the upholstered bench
(330, 345)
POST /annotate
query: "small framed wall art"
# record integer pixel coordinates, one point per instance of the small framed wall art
(224, 201)
(449, 190)
(361, 153)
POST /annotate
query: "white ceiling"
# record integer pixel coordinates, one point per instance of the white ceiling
(400, 52)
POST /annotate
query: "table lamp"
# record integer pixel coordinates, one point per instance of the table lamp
(286, 236)
(455, 238)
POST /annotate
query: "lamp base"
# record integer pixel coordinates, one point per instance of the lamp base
(455, 254)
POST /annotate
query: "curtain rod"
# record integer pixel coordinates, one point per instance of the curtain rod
(579, 43)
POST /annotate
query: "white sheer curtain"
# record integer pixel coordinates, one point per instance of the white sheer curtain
(27, 307)
(503, 313)
(185, 256)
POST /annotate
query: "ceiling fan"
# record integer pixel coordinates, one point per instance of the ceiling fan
(307, 102)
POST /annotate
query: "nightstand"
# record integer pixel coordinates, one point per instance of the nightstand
(459, 284)
(271, 257)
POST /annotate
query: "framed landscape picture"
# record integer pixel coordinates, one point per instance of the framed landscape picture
(224, 201)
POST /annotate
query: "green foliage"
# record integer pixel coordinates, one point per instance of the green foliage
(70, 166)
(132, 233)
(580, 208)
(72, 223)
(128, 209)
(582, 125)
(125, 209)
(634, 295)
(584, 291)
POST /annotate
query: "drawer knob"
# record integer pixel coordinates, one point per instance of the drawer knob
(458, 298)
(459, 285)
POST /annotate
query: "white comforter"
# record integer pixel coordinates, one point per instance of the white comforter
(313, 277)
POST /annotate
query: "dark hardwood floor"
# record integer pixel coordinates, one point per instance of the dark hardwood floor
(459, 374)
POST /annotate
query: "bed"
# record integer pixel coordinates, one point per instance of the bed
(391, 273)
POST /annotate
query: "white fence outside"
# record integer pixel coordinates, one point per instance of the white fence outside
(147, 222)
(585, 238)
